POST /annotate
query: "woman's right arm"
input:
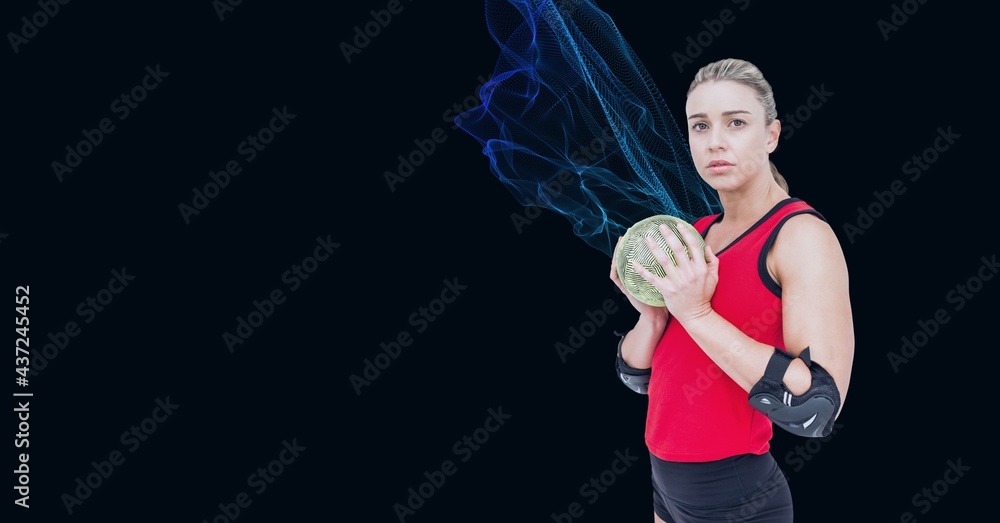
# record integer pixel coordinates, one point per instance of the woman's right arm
(639, 343)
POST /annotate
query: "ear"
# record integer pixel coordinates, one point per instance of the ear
(773, 132)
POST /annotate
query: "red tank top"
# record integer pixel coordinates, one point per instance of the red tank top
(696, 411)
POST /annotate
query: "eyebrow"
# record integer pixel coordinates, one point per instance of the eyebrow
(724, 113)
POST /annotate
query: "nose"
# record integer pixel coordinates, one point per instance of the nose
(716, 141)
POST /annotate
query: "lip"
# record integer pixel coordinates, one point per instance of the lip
(719, 166)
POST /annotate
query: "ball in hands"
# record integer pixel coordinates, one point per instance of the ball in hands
(633, 248)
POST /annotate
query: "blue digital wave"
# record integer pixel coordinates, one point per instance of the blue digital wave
(572, 122)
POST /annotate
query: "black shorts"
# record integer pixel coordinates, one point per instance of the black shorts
(745, 488)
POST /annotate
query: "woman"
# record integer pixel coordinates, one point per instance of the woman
(758, 303)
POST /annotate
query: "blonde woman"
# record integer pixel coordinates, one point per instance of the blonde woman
(756, 333)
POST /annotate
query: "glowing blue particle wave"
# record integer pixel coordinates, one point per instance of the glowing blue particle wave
(572, 122)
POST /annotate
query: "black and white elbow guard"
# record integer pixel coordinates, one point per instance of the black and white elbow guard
(635, 379)
(810, 415)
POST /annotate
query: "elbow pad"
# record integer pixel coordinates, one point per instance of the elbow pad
(810, 415)
(635, 379)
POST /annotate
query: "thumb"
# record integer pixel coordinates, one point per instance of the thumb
(710, 258)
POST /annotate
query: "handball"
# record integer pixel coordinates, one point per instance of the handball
(633, 247)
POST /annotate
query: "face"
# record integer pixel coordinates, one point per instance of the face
(729, 140)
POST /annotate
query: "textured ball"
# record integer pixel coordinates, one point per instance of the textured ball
(633, 247)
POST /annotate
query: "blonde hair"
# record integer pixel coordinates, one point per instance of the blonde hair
(745, 73)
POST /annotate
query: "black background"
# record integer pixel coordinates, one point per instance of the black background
(493, 347)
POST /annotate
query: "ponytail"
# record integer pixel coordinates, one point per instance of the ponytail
(778, 177)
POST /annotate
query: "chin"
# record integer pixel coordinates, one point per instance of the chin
(721, 182)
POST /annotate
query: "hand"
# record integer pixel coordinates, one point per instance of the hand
(688, 287)
(644, 309)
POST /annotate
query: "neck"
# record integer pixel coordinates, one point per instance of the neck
(744, 207)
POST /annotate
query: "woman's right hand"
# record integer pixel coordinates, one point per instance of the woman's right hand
(643, 308)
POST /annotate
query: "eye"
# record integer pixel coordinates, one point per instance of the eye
(699, 126)
(739, 123)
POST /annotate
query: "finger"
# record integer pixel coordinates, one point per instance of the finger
(677, 248)
(710, 257)
(615, 277)
(645, 273)
(688, 237)
(614, 263)
(661, 257)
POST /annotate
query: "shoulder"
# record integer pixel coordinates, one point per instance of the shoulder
(806, 228)
(806, 246)
(704, 221)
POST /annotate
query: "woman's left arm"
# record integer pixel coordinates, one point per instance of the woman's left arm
(808, 263)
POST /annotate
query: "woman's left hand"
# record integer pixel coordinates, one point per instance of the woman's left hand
(688, 287)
